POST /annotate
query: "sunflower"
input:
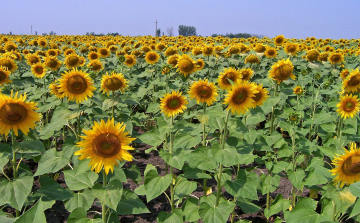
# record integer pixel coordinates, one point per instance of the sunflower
(196, 51)
(152, 57)
(16, 114)
(72, 60)
(170, 51)
(203, 91)
(8, 63)
(347, 166)
(95, 65)
(281, 71)
(349, 106)
(207, 50)
(76, 85)
(298, 90)
(38, 70)
(323, 56)
(105, 144)
(103, 52)
(279, 40)
(4, 76)
(291, 48)
(52, 63)
(270, 52)
(352, 82)
(312, 55)
(82, 61)
(165, 69)
(240, 98)
(55, 90)
(260, 48)
(68, 51)
(173, 103)
(344, 73)
(252, 59)
(231, 74)
(335, 58)
(186, 65)
(173, 60)
(130, 60)
(260, 96)
(113, 83)
(234, 49)
(200, 64)
(246, 73)
(93, 56)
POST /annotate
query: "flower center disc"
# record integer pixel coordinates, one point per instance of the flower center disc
(336, 58)
(2, 76)
(186, 65)
(34, 60)
(106, 145)
(204, 92)
(239, 97)
(73, 61)
(12, 113)
(354, 81)
(173, 61)
(230, 76)
(103, 52)
(113, 84)
(6, 64)
(39, 70)
(257, 96)
(174, 103)
(349, 106)
(76, 84)
(245, 75)
(129, 61)
(52, 63)
(152, 57)
(351, 165)
(283, 72)
(94, 56)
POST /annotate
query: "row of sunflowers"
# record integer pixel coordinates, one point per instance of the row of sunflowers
(229, 118)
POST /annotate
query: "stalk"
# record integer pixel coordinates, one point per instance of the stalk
(171, 168)
(113, 105)
(223, 139)
(79, 129)
(104, 208)
(338, 131)
(15, 169)
(294, 167)
(313, 107)
(204, 144)
(272, 112)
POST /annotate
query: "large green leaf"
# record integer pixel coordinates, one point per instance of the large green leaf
(176, 159)
(190, 210)
(133, 173)
(110, 194)
(77, 214)
(153, 137)
(51, 190)
(51, 161)
(355, 189)
(82, 199)
(185, 188)
(227, 156)
(172, 217)
(218, 214)
(154, 184)
(130, 203)
(34, 215)
(202, 158)
(244, 186)
(304, 216)
(79, 181)
(247, 207)
(296, 177)
(185, 141)
(15, 192)
(29, 147)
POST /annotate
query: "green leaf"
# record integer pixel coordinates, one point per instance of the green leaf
(185, 141)
(154, 184)
(174, 217)
(152, 137)
(306, 203)
(297, 177)
(202, 158)
(304, 216)
(269, 103)
(328, 127)
(356, 209)
(133, 173)
(15, 192)
(153, 108)
(227, 156)
(77, 214)
(216, 123)
(254, 119)
(78, 181)
(219, 214)
(176, 159)
(244, 186)
(29, 147)
(194, 173)
(185, 188)
(279, 204)
(355, 189)
(130, 203)
(110, 194)
(51, 161)
(35, 214)
(109, 103)
(190, 210)
(247, 207)
(82, 199)
(52, 190)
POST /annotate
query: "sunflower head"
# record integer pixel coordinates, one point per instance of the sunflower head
(4, 76)
(294, 117)
(261, 95)
(52, 63)
(282, 70)
(72, 60)
(130, 60)
(347, 166)
(203, 91)
(312, 55)
(55, 90)
(8, 63)
(173, 104)
(352, 81)
(270, 52)
(105, 144)
(16, 114)
(228, 74)
(152, 57)
(76, 85)
(349, 106)
(207, 50)
(298, 90)
(246, 73)
(38, 70)
(291, 48)
(200, 64)
(323, 56)
(344, 73)
(240, 98)
(165, 69)
(104, 52)
(252, 59)
(186, 65)
(113, 82)
(93, 56)
(95, 65)
(279, 40)
(173, 60)
(335, 58)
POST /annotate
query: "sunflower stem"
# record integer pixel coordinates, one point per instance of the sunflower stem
(79, 129)
(113, 107)
(171, 168)
(104, 209)
(312, 106)
(204, 144)
(15, 169)
(273, 111)
(338, 132)
(223, 139)
(293, 203)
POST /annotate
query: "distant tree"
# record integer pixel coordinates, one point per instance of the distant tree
(44, 34)
(238, 35)
(51, 33)
(158, 32)
(170, 31)
(10, 33)
(35, 32)
(92, 34)
(187, 30)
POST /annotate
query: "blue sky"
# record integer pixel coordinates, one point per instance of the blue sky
(293, 19)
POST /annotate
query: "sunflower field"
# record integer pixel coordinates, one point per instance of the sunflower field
(179, 129)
